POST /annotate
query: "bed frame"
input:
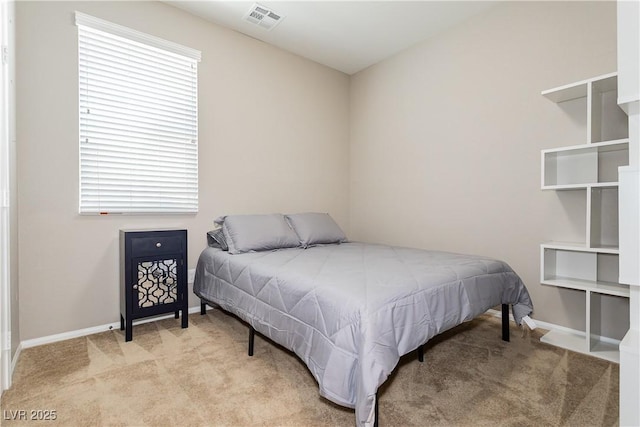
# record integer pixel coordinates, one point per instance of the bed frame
(419, 350)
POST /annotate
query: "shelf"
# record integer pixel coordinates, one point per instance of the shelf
(603, 146)
(578, 343)
(585, 165)
(604, 288)
(578, 267)
(580, 247)
(598, 98)
(580, 186)
(580, 89)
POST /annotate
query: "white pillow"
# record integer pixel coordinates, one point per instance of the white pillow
(250, 233)
(315, 228)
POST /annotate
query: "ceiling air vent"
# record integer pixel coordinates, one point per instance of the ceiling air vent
(263, 17)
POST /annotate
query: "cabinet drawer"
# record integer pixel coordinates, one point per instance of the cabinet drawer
(155, 245)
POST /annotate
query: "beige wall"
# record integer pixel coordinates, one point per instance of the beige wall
(273, 137)
(446, 140)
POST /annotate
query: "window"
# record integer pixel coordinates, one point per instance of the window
(138, 121)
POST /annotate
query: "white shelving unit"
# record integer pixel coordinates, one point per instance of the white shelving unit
(590, 265)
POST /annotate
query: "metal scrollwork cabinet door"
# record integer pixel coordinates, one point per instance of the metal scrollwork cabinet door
(153, 275)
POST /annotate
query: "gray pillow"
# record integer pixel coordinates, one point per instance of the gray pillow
(315, 228)
(215, 239)
(249, 233)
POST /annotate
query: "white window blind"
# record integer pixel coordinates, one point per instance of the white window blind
(138, 121)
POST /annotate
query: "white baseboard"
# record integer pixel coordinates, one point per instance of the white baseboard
(14, 359)
(554, 327)
(88, 331)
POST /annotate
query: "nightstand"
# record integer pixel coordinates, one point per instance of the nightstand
(153, 275)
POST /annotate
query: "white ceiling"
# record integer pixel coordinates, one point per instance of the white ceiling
(345, 35)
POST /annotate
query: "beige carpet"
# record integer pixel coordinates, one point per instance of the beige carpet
(202, 376)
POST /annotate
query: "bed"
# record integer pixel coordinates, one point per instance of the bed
(348, 310)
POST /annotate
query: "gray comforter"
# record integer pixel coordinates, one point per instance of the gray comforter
(349, 311)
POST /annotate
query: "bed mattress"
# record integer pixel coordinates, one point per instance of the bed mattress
(350, 310)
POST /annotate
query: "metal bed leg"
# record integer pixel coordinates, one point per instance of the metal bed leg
(505, 322)
(420, 352)
(252, 333)
(203, 308)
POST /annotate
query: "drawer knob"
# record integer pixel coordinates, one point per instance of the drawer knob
(158, 244)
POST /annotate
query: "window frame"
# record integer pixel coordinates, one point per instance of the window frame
(89, 26)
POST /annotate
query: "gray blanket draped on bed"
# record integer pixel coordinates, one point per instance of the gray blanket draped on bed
(349, 311)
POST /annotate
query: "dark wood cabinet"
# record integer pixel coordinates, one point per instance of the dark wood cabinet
(153, 275)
